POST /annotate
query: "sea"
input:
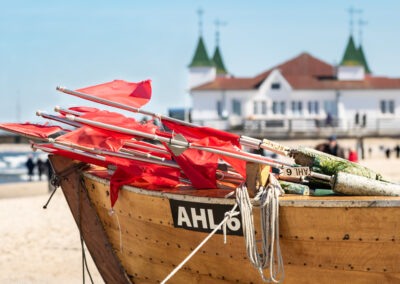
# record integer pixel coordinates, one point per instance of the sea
(13, 168)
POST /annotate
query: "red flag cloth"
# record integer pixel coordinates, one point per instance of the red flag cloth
(199, 166)
(33, 130)
(197, 133)
(73, 155)
(149, 148)
(119, 91)
(141, 174)
(145, 175)
(120, 120)
(95, 138)
(80, 109)
(217, 139)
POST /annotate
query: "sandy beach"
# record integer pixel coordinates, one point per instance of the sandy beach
(37, 245)
(43, 246)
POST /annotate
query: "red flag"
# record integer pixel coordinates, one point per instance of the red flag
(80, 109)
(141, 174)
(119, 91)
(120, 120)
(49, 148)
(32, 130)
(199, 166)
(148, 148)
(95, 138)
(145, 175)
(197, 133)
(213, 138)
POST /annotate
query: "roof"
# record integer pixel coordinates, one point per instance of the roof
(200, 58)
(363, 59)
(217, 58)
(304, 72)
(351, 56)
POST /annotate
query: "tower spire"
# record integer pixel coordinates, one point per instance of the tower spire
(217, 57)
(218, 24)
(352, 11)
(361, 23)
(200, 13)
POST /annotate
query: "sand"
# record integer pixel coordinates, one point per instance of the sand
(42, 246)
(37, 245)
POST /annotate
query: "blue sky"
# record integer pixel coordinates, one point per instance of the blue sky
(81, 43)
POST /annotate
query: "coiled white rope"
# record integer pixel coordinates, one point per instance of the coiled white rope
(267, 200)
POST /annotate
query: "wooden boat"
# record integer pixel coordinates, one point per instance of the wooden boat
(323, 239)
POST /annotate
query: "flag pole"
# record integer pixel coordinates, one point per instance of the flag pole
(277, 148)
(180, 144)
(98, 154)
(244, 140)
(129, 144)
(58, 119)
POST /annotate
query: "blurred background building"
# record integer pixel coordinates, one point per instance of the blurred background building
(303, 96)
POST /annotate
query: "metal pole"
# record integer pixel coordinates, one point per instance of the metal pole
(249, 142)
(171, 141)
(56, 118)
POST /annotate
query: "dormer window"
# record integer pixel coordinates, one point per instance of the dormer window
(275, 86)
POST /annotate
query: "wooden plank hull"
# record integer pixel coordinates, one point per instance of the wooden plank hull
(323, 240)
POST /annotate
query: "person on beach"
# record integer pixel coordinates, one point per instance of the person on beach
(40, 167)
(30, 165)
(331, 147)
(397, 149)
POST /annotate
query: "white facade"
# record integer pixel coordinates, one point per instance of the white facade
(201, 75)
(351, 73)
(275, 102)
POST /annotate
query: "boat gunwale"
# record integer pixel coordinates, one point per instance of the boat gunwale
(287, 201)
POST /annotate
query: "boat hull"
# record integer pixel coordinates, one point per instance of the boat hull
(323, 239)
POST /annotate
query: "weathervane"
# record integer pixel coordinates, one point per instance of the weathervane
(361, 23)
(200, 14)
(353, 11)
(218, 24)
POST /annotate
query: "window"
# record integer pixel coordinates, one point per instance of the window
(274, 107)
(219, 108)
(316, 107)
(259, 107)
(236, 107)
(264, 107)
(278, 107)
(275, 86)
(313, 107)
(383, 106)
(294, 109)
(255, 107)
(283, 107)
(330, 107)
(297, 107)
(387, 106)
(391, 106)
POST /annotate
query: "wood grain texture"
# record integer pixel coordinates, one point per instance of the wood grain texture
(94, 235)
(319, 245)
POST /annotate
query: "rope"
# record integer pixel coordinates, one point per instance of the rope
(228, 215)
(56, 179)
(112, 212)
(84, 260)
(267, 200)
